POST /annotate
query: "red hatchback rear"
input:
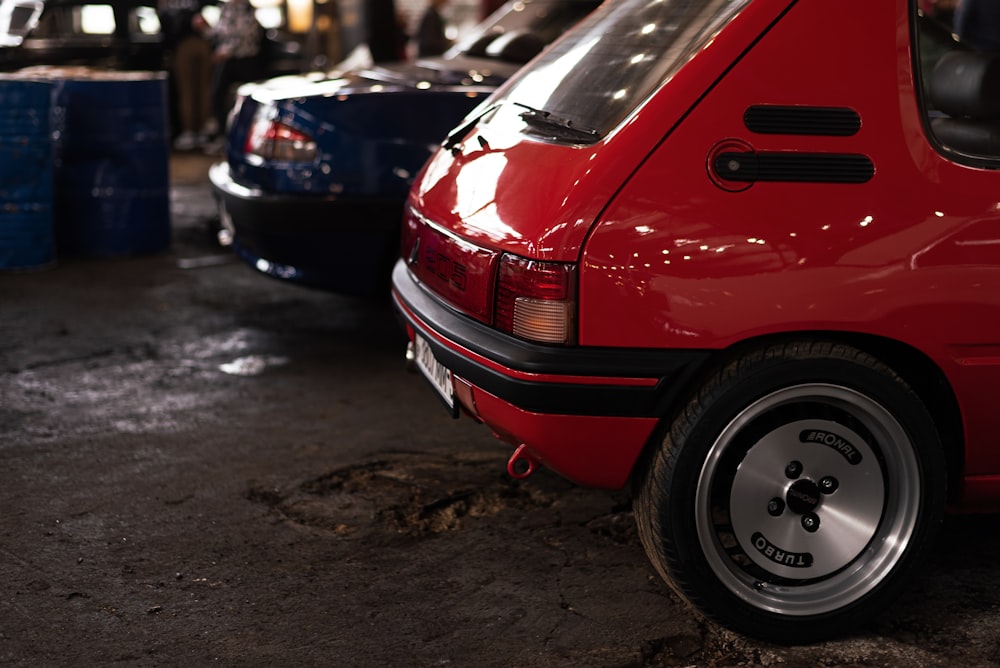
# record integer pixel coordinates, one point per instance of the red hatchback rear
(745, 255)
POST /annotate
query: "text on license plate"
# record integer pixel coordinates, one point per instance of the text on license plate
(438, 374)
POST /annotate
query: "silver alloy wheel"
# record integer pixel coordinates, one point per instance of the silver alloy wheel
(806, 514)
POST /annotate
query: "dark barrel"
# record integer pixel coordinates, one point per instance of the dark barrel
(112, 163)
(26, 176)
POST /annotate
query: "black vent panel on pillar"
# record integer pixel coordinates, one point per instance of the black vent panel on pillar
(801, 120)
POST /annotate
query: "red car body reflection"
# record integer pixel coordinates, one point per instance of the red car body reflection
(776, 235)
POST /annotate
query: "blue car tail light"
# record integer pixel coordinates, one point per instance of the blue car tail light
(271, 140)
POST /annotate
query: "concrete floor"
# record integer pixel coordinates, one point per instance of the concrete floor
(199, 464)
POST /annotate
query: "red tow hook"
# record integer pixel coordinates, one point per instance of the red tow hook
(521, 464)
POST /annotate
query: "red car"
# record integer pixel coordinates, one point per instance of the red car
(744, 255)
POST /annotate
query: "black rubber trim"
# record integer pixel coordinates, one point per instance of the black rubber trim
(672, 369)
(796, 120)
(793, 167)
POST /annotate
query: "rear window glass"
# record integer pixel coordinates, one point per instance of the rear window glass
(97, 19)
(616, 57)
(524, 27)
(17, 19)
(72, 20)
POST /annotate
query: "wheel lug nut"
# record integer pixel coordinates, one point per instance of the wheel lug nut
(828, 485)
(793, 470)
(810, 522)
(775, 507)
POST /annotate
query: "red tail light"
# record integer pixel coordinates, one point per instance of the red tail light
(536, 300)
(271, 140)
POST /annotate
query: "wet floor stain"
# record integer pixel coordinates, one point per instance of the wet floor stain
(252, 365)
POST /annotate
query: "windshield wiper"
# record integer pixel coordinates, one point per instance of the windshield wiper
(454, 138)
(562, 127)
(539, 118)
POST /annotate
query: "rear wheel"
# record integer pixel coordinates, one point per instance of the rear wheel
(795, 492)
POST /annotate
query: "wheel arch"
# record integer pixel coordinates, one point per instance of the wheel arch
(918, 370)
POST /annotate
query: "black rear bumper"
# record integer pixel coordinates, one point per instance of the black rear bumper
(666, 371)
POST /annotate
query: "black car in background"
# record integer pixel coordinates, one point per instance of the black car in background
(107, 34)
(113, 34)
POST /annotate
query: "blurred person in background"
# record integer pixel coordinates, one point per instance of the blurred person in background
(431, 38)
(189, 61)
(238, 39)
(385, 32)
(487, 7)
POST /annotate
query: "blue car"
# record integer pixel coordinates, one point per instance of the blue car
(318, 165)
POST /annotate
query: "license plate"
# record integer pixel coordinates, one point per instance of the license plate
(438, 374)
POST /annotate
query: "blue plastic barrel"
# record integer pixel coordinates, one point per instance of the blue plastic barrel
(26, 174)
(112, 164)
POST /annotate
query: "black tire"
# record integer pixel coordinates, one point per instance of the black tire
(795, 493)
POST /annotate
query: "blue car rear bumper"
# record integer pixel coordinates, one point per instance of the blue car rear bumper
(341, 244)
